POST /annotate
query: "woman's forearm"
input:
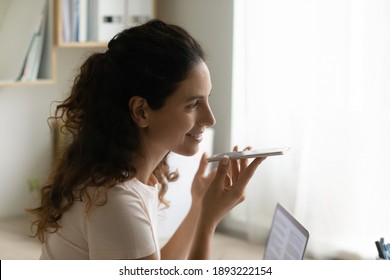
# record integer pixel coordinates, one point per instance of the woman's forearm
(202, 240)
(179, 245)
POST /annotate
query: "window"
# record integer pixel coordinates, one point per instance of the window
(315, 76)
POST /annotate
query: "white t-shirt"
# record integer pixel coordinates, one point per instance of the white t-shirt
(124, 228)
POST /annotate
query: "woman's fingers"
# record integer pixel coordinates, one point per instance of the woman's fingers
(202, 165)
(237, 166)
(244, 161)
(222, 172)
(228, 181)
(247, 174)
(234, 167)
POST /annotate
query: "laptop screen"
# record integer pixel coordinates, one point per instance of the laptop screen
(287, 238)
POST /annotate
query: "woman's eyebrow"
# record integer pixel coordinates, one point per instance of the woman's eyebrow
(195, 97)
(198, 97)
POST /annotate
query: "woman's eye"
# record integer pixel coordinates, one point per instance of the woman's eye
(194, 104)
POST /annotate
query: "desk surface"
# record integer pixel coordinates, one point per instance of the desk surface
(226, 247)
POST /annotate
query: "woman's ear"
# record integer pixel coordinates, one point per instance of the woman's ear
(139, 107)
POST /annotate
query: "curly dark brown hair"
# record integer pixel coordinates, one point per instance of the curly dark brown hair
(150, 61)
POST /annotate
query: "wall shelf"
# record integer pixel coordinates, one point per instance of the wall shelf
(13, 12)
(138, 11)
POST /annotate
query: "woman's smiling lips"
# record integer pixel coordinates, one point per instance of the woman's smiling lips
(197, 137)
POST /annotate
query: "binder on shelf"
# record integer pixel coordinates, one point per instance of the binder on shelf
(100, 20)
(110, 18)
(83, 21)
(66, 20)
(116, 15)
(139, 12)
(74, 20)
(70, 20)
(92, 19)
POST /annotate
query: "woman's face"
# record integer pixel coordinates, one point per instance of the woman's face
(179, 125)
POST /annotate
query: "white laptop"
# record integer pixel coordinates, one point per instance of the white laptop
(287, 238)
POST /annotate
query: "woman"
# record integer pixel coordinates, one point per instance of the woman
(129, 107)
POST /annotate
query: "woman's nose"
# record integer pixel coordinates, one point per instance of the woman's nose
(208, 118)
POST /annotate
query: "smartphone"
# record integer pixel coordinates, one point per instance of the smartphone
(251, 153)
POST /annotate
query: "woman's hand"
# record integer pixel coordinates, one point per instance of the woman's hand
(201, 181)
(227, 189)
(218, 193)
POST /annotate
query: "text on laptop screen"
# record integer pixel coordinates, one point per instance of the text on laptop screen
(287, 238)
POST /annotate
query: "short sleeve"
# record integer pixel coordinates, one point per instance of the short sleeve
(122, 228)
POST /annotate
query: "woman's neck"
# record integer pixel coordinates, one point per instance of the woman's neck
(145, 166)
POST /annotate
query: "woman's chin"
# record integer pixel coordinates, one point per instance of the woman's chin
(188, 152)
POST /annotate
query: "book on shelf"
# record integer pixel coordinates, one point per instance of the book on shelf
(70, 20)
(21, 20)
(32, 61)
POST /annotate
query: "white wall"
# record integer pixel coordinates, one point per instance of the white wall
(25, 141)
(25, 145)
(211, 23)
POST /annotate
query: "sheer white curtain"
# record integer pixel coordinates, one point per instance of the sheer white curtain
(314, 75)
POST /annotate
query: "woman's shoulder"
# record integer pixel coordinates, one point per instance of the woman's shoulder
(128, 195)
(134, 185)
(132, 188)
